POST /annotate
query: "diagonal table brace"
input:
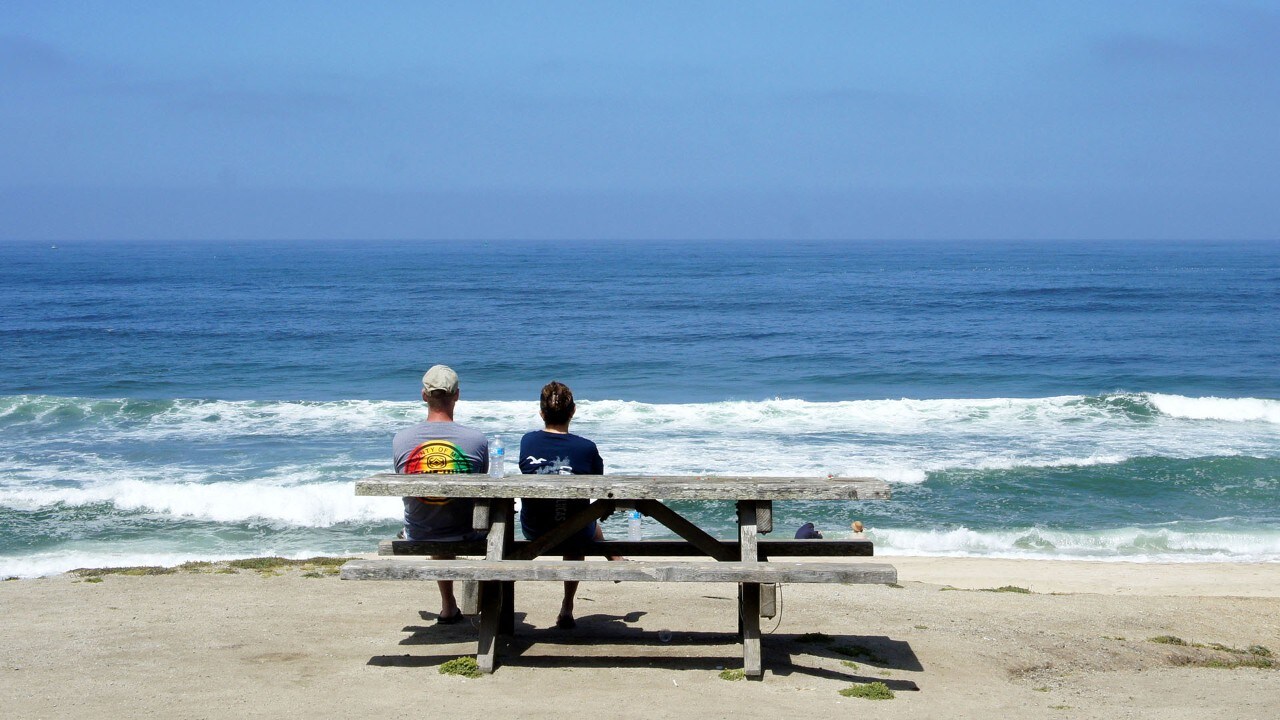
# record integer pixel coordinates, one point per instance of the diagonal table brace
(687, 530)
(565, 530)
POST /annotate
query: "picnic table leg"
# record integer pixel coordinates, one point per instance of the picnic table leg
(507, 619)
(749, 617)
(501, 536)
(755, 518)
(469, 597)
(749, 593)
(768, 591)
(747, 534)
(490, 610)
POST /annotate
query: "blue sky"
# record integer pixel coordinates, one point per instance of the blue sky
(1017, 119)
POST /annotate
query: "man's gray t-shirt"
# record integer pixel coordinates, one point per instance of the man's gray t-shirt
(439, 447)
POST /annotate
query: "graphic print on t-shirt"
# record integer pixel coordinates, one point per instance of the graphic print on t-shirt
(437, 456)
(559, 466)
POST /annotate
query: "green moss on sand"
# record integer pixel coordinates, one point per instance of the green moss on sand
(1216, 655)
(463, 666)
(314, 567)
(271, 565)
(1218, 662)
(869, 691)
(130, 571)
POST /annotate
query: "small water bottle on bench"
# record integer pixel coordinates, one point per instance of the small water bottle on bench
(497, 454)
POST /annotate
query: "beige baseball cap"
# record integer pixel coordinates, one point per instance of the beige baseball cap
(440, 379)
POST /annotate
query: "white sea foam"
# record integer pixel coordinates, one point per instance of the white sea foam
(314, 505)
(1013, 463)
(1147, 544)
(323, 444)
(1240, 410)
(801, 417)
(292, 464)
(866, 421)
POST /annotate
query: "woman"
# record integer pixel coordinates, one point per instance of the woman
(556, 451)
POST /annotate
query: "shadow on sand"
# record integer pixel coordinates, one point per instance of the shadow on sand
(599, 641)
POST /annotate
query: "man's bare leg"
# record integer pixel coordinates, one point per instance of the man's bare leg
(449, 611)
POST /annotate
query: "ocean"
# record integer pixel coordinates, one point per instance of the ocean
(165, 402)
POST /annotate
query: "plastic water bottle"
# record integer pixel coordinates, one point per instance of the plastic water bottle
(497, 453)
(633, 526)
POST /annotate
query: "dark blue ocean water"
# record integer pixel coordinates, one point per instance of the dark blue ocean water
(1106, 400)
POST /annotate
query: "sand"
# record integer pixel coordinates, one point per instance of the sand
(248, 644)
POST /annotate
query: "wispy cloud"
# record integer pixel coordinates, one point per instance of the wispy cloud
(21, 56)
(1147, 52)
(1225, 37)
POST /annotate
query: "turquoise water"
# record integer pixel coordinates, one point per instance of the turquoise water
(167, 402)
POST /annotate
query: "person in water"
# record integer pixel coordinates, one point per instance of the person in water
(807, 531)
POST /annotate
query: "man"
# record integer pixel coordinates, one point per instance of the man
(440, 445)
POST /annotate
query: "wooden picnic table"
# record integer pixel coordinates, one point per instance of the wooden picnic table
(739, 560)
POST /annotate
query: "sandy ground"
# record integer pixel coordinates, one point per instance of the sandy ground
(244, 645)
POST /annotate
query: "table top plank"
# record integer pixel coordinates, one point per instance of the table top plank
(625, 487)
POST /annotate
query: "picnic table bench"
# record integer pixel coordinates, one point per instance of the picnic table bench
(746, 560)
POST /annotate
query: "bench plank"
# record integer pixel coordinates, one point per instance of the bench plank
(397, 568)
(644, 548)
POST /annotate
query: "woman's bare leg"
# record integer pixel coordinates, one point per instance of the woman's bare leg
(565, 619)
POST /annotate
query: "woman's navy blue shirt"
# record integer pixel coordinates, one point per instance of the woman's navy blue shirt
(548, 453)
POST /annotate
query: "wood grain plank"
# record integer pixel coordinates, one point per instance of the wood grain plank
(752, 661)
(399, 568)
(490, 612)
(499, 528)
(626, 487)
(782, 547)
(747, 551)
(480, 514)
